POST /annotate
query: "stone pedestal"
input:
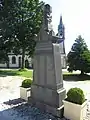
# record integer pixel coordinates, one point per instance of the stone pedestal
(47, 90)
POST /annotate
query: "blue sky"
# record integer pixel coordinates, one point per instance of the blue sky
(76, 18)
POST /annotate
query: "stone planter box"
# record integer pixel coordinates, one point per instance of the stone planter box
(25, 93)
(74, 111)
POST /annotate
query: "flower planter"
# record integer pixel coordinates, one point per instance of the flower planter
(74, 111)
(25, 93)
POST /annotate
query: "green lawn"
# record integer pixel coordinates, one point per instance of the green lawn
(29, 74)
(12, 72)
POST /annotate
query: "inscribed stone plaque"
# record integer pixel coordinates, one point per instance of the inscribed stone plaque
(57, 60)
(36, 72)
(42, 70)
(50, 71)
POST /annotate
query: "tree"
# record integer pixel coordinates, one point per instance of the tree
(19, 25)
(4, 50)
(79, 56)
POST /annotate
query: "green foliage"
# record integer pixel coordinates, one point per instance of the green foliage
(27, 83)
(20, 22)
(76, 95)
(79, 57)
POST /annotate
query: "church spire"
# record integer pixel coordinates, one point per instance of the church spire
(61, 19)
(61, 28)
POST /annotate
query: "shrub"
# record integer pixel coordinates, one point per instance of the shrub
(27, 83)
(76, 95)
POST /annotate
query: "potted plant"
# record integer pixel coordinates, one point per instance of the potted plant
(25, 89)
(75, 105)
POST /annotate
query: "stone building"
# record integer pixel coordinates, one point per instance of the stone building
(15, 60)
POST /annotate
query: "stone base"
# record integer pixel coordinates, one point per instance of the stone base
(47, 99)
(58, 112)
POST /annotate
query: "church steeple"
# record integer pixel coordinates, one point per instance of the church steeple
(61, 42)
(61, 29)
(61, 20)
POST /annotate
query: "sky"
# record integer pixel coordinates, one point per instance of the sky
(76, 18)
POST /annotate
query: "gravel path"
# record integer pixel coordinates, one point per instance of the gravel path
(22, 111)
(13, 108)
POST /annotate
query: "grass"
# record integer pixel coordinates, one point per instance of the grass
(12, 72)
(29, 74)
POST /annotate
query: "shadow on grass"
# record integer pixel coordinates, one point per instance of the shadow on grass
(4, 73)
(76, 77)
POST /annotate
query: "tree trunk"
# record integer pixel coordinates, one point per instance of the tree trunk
(82, 73)
(7, 62)
(23, 55)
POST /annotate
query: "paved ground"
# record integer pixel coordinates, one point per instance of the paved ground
(9, 87)
(13, 108)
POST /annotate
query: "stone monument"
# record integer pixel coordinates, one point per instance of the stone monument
(47, 90)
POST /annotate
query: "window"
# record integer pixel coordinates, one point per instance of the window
(13, 60)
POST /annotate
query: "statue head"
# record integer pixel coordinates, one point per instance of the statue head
(48, 9)
(47, 17)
